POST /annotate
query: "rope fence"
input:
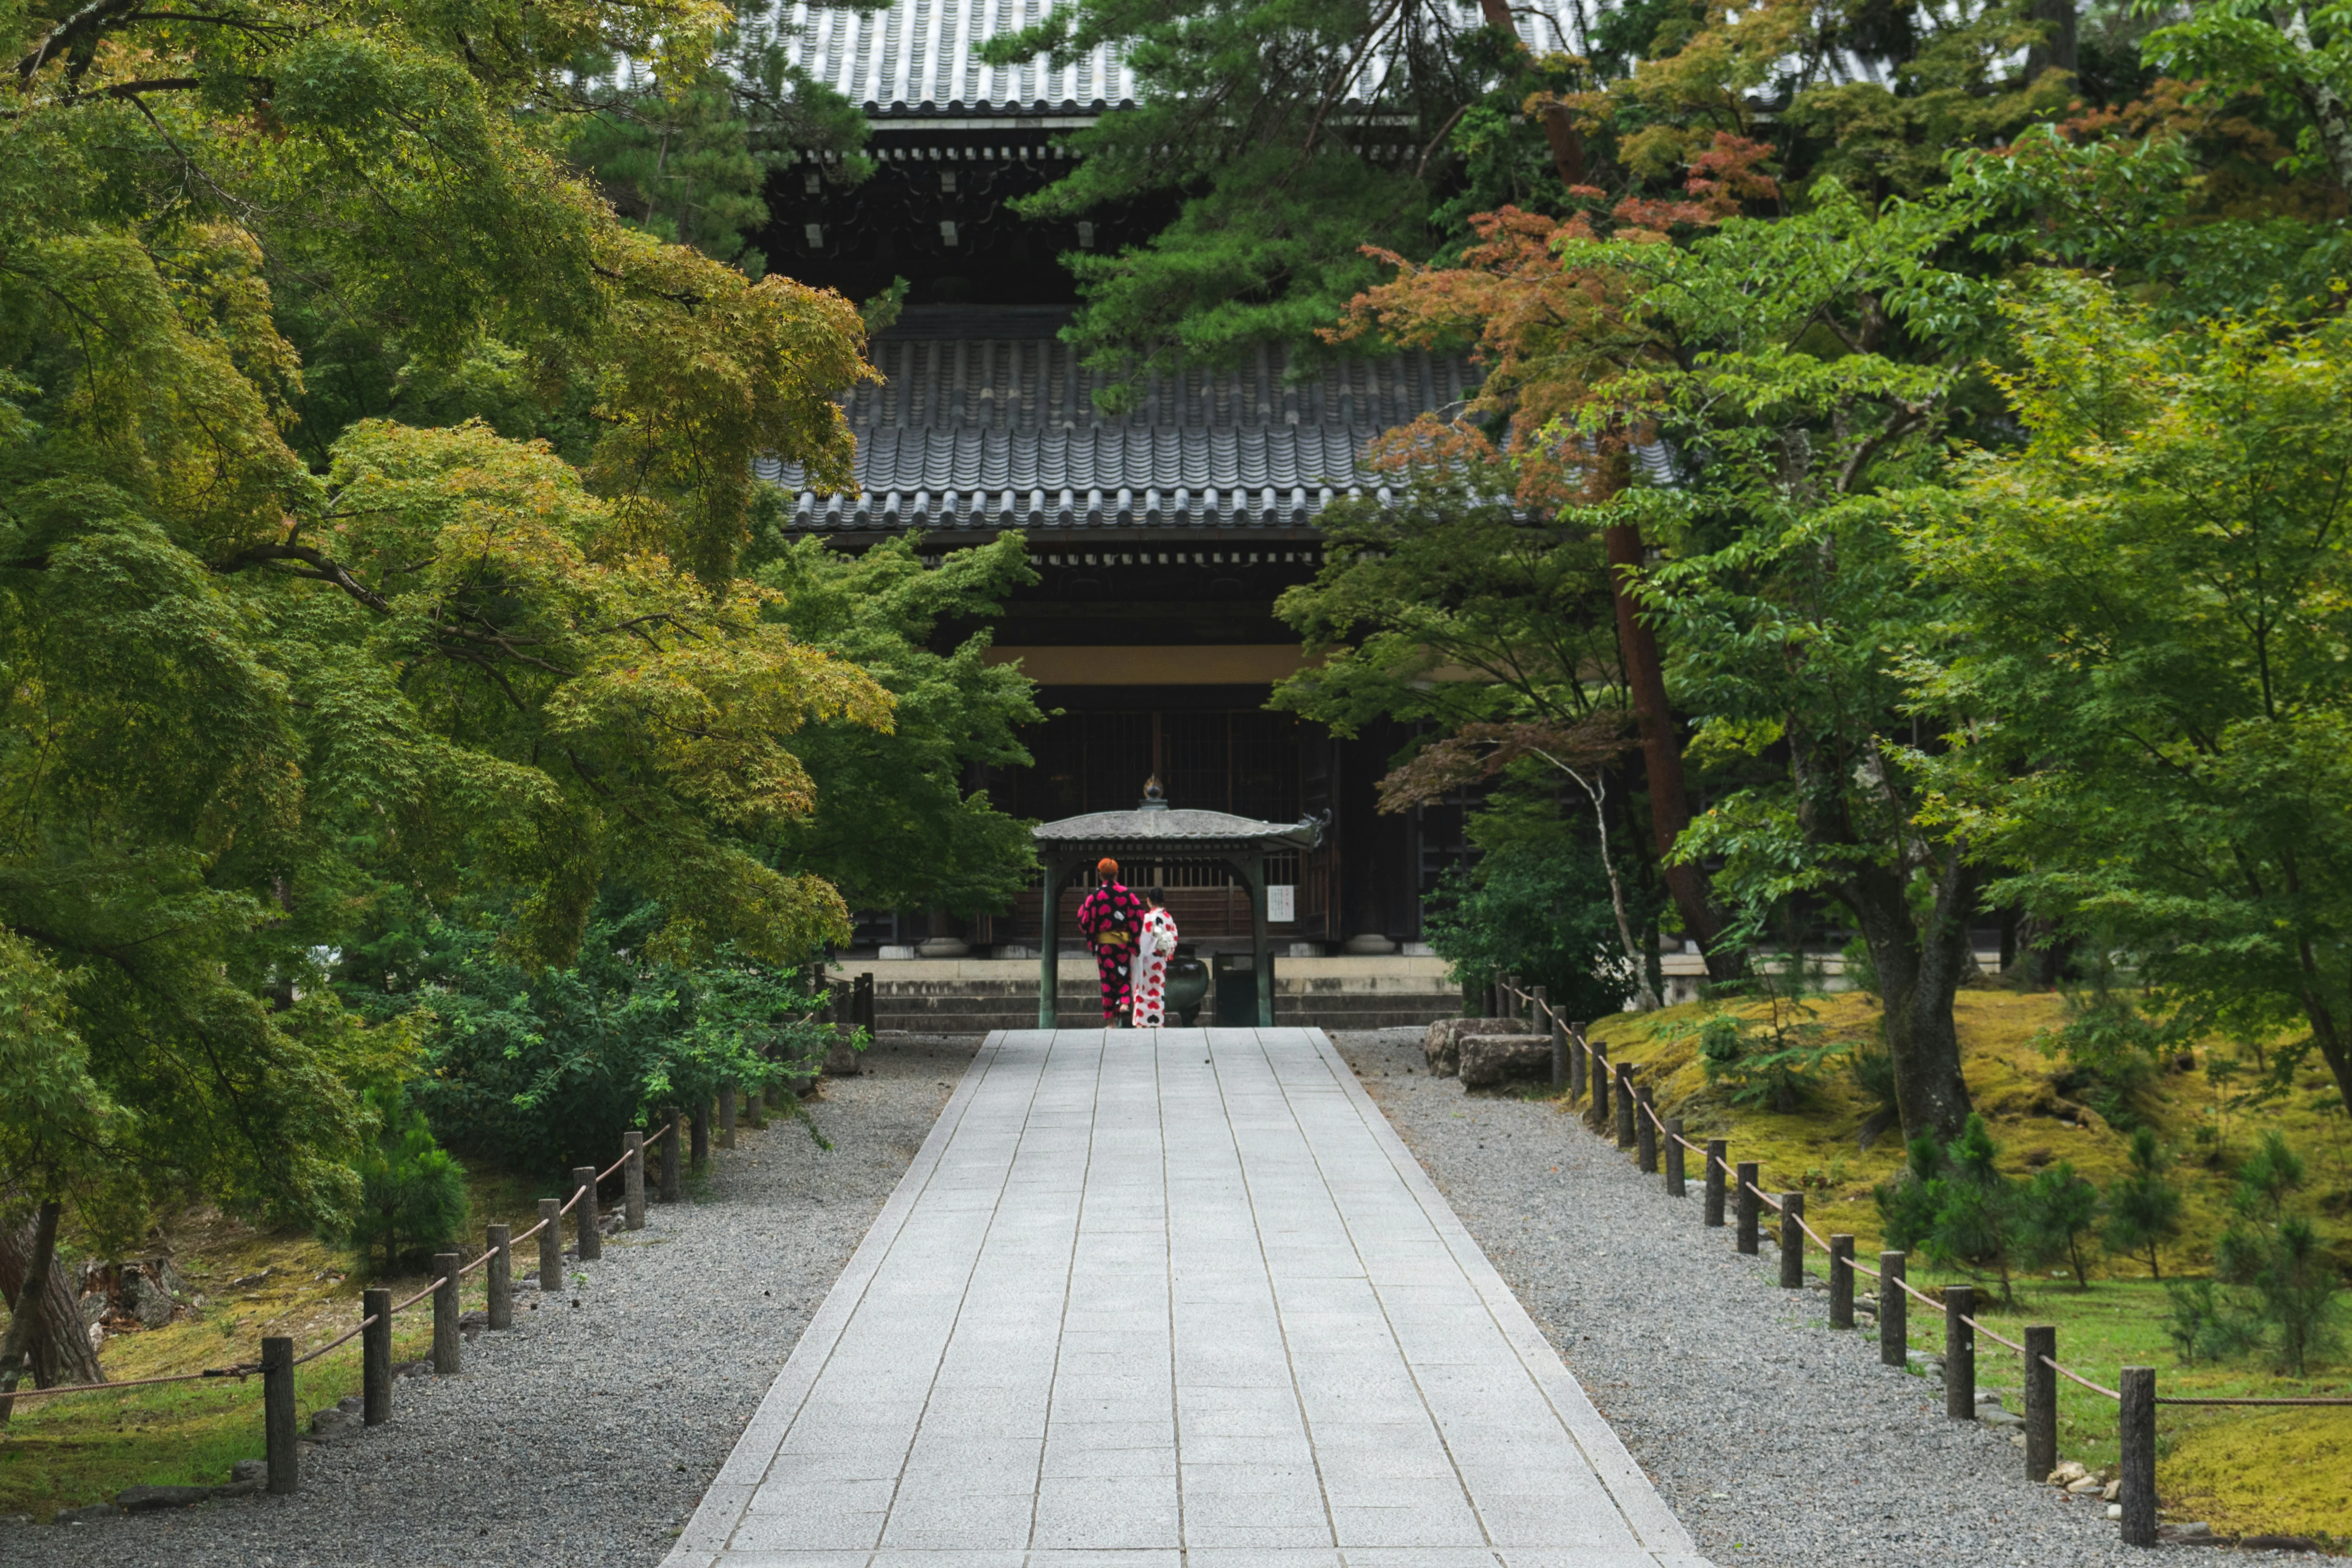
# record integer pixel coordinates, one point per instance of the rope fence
(1580, 1070)
(378, 1310)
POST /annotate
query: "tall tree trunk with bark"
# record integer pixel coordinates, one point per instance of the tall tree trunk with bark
(1920, 966)
(31, 1275)
(1661, 753)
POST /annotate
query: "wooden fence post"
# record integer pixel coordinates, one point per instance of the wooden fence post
(1558, 1033)
(1893, 1313)
(670, 1182)
(1745, 1204)
(375, 1357)
(861, 1001)
(1646, 1131)
(1718, 1151)
(499, 1275)
(1597, 1113)
(550, 1246)
(1792, 1241)
(277, 1433)
(2135, 1424)
(1959, 1353)
(1624, 1091)
(1576, 1065)
(448, 1344)
(591, 1233)
(2041, 1402)
(1841, 1281)
(699, 1150)
(755, 1110)
(727, 1116)
(633, 1181)
(1675, 1187)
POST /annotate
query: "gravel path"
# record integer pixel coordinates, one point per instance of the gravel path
(1774, 1440)
(585, 1437)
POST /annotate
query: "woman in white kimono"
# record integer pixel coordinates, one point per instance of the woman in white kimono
(1154, 947)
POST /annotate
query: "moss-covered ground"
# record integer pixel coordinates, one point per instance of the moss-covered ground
(79, 1448)
(2244, 1471)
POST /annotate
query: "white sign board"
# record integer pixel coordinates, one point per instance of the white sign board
(1281, 902)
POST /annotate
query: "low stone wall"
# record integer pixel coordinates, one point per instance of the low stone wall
(972, 995)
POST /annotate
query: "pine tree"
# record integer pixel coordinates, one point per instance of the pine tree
(2143, 1208)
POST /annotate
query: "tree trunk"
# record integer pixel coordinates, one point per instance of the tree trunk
(2330, 115)
(1918, 972)
(2057, 50)
(1662, 752)
(59, 1344)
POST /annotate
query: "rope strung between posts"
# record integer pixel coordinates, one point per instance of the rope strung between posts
(1990, 1335)
(240, 1372)
(331, 1344)
(404, 1306)
(2314, 1399)
(2078, 1377)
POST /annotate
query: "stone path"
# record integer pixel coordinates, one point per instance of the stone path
(1174, 1299)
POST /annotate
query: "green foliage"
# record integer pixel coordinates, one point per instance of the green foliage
(268, 657)
(2274, 1290)
(2056, 1210)
(547, 1068)
(1773, 1060)
(412, 1194)
(1540, 910)
(2144, 1207)
(894, 822)
(1952, 1205)
(2152, 588)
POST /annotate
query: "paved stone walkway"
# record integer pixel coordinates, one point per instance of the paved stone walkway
(1174, 1299)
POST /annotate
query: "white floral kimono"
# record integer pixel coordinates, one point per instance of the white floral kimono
(1150, 975)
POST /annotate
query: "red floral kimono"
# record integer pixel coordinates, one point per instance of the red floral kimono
(1111, 919)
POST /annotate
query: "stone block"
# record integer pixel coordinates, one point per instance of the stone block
(1487, 1059)
(1442, 1046)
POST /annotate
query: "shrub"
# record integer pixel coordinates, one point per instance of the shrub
(1540, 910)
(2055, 1211)
(412, 1194)
(2143, 1208)
(1951, 1203)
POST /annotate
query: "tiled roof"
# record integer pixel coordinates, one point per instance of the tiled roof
(912, 58)
(984, 420)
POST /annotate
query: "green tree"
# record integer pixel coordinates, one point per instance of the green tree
(412, 1194)
(1539, 909)
(2144, 1207)
(2298, 56)
(2056, 1210)
(898, 822)
(268, 654)
(2151, 590)
(1952, 1203)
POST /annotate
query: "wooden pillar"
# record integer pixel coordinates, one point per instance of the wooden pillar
(1049, 946)
(498, 1279)
(1792, 1241)
(632, 1181)
(1745, 1206)
(1597, 1113)
(727, 1116)
(1893, 1313)
(1645, 1133)
(1558, 1033)
(448, 1345)
(550, 1245)
(1841, 1281)
(1675, 1187)
(375, 1357)
(1260, 944)
(280, 1440)
(2041, 1402)
(1576, 1065)
(591, 1233)
(1718, 1152)
(2135, 1424)
(1624, 1091)
(1959, 1353)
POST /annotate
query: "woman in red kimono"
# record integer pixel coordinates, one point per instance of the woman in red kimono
(1110, 919)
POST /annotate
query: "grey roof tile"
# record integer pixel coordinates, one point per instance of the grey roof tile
(911, 57)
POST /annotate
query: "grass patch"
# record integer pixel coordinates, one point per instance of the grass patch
(2242, 1471)
(82, 1448)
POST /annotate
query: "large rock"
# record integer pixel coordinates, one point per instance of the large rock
(148, 1499)
(145, 1299)
(1498, 1058)
(1442, 1046)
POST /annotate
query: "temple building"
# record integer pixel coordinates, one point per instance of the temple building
(1163, 534)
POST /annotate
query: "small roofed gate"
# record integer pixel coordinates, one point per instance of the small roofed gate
(1160, 839)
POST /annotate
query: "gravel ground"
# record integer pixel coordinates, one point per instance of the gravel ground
(1774, 1440)
(586, 1434)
